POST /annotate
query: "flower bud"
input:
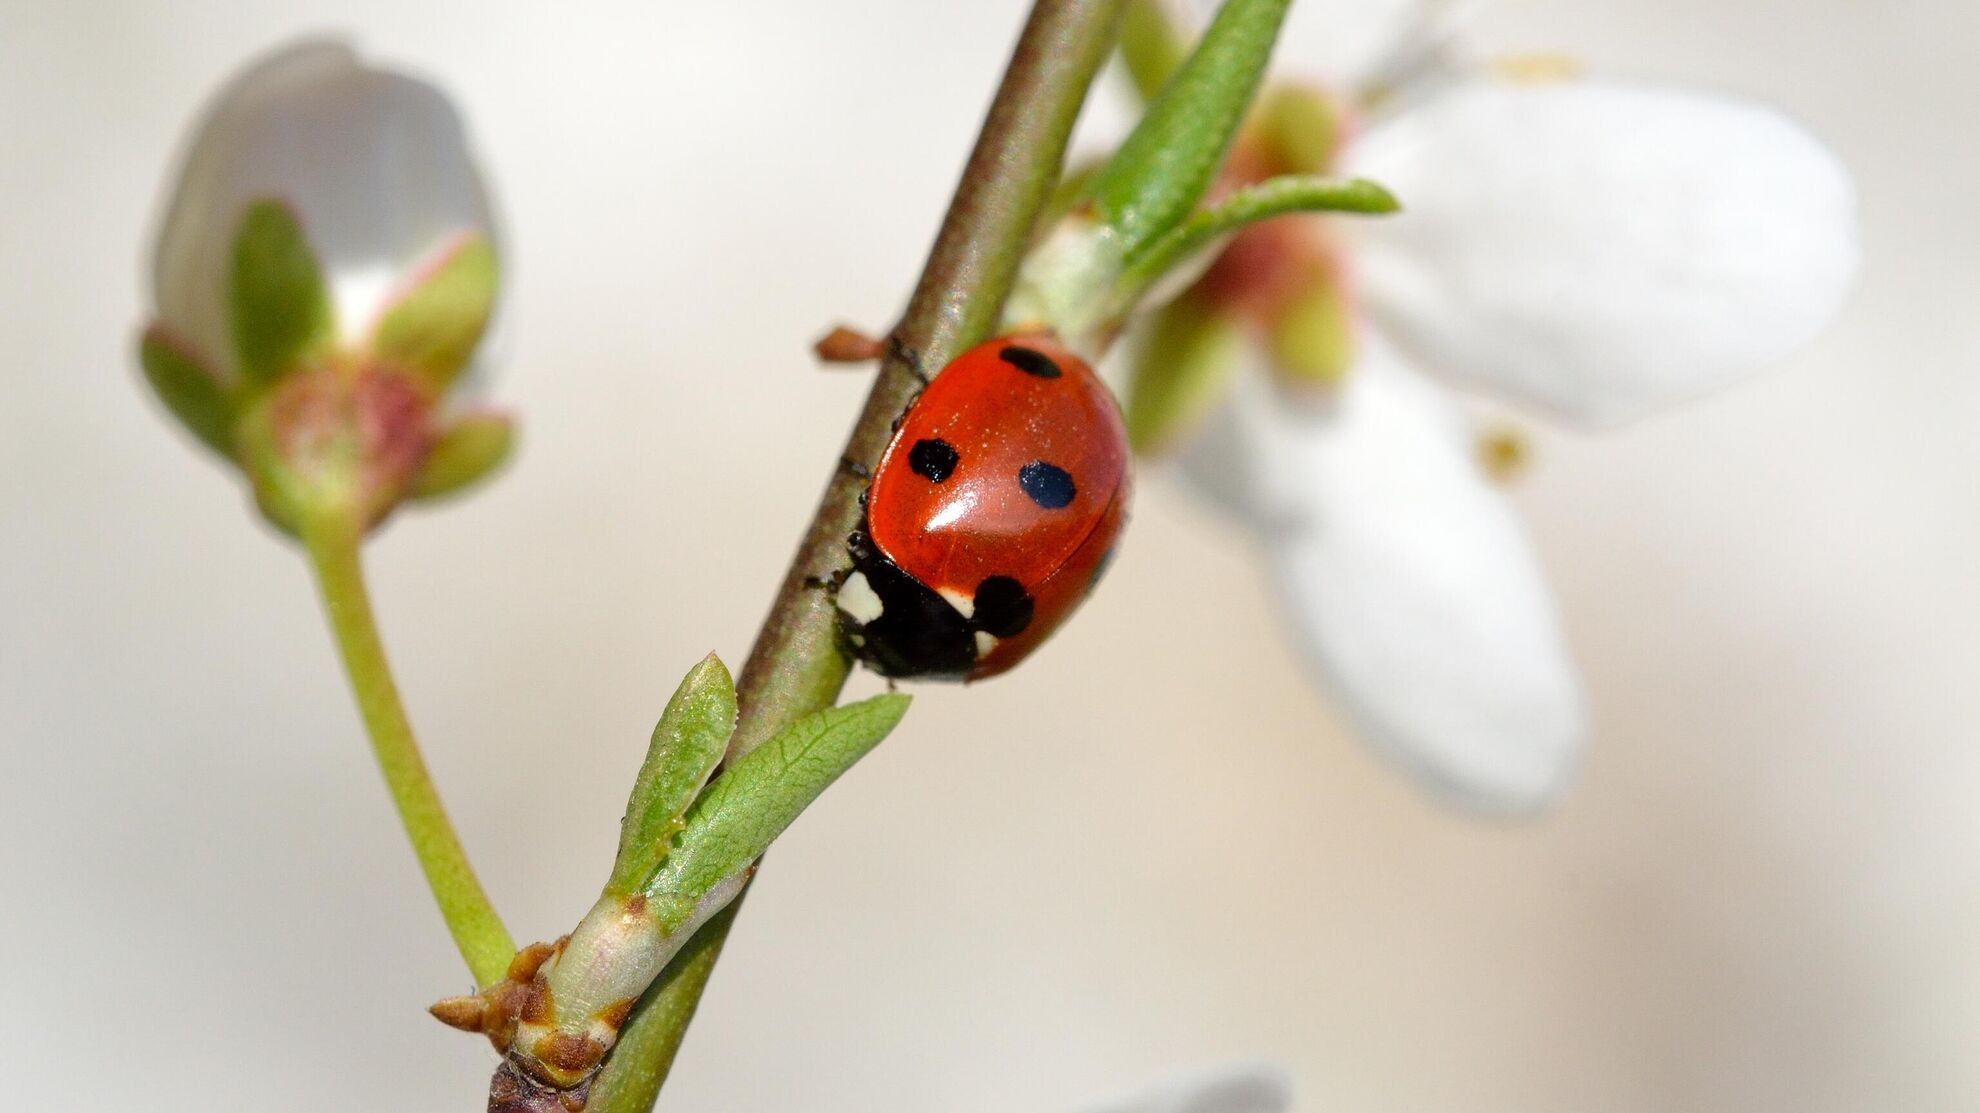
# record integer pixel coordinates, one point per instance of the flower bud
(324, 274)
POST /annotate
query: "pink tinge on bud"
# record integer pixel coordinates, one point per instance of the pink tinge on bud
(1272, 268)
(395, 424)
(349, 440)
(1270, 263)
(1288, 279)
(1264, 265)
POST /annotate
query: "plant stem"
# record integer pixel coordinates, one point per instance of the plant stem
(333, 544)
(797, 665)
(645, 1053)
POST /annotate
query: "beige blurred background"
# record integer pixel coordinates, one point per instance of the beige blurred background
(1151, 849)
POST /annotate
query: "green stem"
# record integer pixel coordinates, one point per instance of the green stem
(333, 545)
(645, 1053)
(797, 665)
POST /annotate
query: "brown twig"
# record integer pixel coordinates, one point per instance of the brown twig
(797, 665)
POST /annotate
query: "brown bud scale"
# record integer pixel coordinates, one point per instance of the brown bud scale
(845, 345)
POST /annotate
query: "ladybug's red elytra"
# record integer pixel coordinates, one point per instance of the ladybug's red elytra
(993, 512)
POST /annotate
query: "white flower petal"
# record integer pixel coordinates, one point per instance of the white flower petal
(1245, 457)
(1343, 44)
(1408, 581)
(1222, 460)
(375, 163)
(1602, 250)
(1243, 1088)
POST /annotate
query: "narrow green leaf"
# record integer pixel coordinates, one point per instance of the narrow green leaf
(278, 305)
(1181, 368)
(1162, 171)
(687, 746)
(191, 391)
(755, 799)
(1150, 46)
(1292, 193)
(469, 451)
(433, 328)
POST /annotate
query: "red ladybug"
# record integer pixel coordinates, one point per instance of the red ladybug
(993, 512)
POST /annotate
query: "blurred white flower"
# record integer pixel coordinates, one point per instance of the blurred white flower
(324, 276)
(1595, 250)
(373, 164)
(1242, 1088)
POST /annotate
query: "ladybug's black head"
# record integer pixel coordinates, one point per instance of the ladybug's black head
(899, 626)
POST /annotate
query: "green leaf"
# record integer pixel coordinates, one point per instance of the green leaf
(1292, 193)
(278, 305)
(755, 799)
(1162, 171)
(191, 391)
(687, 745)
(469, 451)
(1150, 46)
(1181, 368)
(433, 328)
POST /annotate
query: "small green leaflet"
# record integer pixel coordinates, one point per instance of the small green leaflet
(432, 330)
(1163, 169)
(189, 390)
(687, 745)
(755, 799)
(1150, 46)
(278, 306)
(469, 450)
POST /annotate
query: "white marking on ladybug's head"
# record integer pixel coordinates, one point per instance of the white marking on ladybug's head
(984, 644)
(964, 604)
(858, 599)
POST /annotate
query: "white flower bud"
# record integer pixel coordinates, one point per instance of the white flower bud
(374, 164)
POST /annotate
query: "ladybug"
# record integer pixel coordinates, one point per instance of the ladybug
(993, 512)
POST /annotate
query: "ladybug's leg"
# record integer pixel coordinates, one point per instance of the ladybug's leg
(825, 583)
(910, 357)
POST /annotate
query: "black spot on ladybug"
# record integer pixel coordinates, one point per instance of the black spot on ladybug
(1031, 361)
(1048, 484)
(1003, 607)
(932, 460)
